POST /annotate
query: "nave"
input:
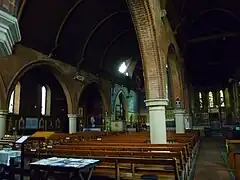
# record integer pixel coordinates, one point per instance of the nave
(211, 161)
(189, 156)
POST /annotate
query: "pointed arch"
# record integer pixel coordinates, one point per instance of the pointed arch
(57, 72)
(14, 101)
(17, 98)
(100, 90)
(149, 33)
(123, 101)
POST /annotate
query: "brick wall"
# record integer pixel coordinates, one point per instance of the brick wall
(154, 37)
(15, 66)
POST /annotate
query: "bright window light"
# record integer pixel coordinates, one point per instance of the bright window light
(122, 68)
(126, 73)
(44, 96)
(11, 103)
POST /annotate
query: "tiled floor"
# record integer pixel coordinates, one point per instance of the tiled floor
(210, 164)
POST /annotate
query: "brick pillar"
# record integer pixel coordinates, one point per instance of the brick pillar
(146, 16)
(175, 74)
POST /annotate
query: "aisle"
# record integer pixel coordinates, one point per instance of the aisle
(210, 164)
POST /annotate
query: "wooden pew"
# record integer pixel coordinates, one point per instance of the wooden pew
(110, 146)
(132, 167)
(165, 169)
(130, 150)
(98, 144)
(236, 157)
(232, 146)
(126, 154)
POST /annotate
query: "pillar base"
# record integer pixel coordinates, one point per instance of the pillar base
(3, 120)
(157, 120)
(180, 121)
(72, 123)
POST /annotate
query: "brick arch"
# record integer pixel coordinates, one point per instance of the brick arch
(3, 95)
(175, 74)
(57, 72)
(103, 97)
(150, 31)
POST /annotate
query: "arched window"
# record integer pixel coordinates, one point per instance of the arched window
(119, 107)
(11, 103)
(222, 102)
(43, 100)
(14, 103)
(210, 99)
(200, 100)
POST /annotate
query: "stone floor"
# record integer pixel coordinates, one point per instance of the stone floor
(210, 164)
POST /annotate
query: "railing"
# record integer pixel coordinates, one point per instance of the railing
(11, 6)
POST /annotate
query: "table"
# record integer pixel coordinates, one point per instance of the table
(74, 167)
(8, 159)
(6, 154)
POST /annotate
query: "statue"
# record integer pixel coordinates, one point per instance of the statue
(81, 125)
(57, 123)
(21, 123)
(178, 103)
(92, 121)
(41, 124)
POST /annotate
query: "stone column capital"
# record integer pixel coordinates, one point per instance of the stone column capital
(71, 116)
(179, 111)
(3, 112)
(156, 102)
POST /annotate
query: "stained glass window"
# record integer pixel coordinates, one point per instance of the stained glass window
(222, 103)
(210, 99)
(200, 100)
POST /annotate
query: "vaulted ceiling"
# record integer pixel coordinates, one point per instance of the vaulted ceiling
(94, 35)
(207, 32)
(97, 35)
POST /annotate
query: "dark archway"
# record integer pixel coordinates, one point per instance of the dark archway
(41, 98)
(31, 84)
(120, 107)
(91, 104)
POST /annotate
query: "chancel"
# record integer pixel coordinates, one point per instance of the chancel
(123, 89)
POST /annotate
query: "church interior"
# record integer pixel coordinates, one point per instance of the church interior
(124, 89)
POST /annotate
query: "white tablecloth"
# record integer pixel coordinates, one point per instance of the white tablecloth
(5, 156)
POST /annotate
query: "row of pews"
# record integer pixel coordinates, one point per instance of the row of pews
(124, 155)
(233, 156)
